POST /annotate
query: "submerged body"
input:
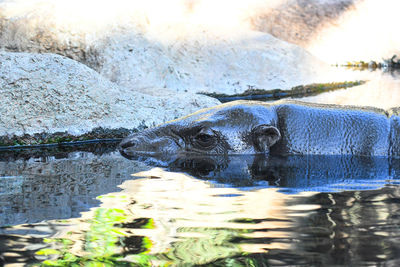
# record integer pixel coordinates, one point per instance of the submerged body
(282, 128)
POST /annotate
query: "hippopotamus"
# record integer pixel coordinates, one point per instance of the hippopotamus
(281, 128)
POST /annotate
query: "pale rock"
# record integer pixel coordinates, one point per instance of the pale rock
(230, 65)
(150, 50)
(50, 93)
(299, 21)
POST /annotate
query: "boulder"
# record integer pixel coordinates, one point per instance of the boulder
(50, 93)
(255, 60)
(335, 31)
(298, 21)
(366, 32)
(152, 51)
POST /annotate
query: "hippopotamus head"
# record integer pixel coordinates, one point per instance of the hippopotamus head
(238, 127)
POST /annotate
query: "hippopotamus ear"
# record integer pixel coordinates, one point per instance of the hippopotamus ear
(265, 136)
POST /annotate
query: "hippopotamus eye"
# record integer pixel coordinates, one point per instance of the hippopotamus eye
(204, 140)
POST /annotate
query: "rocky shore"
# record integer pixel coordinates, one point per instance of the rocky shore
(48, 93)
(67, 75)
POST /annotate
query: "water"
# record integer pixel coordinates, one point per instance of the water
(382, 89)
(240, 210)
(88, 205)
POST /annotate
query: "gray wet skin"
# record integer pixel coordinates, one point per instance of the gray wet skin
(283, 127)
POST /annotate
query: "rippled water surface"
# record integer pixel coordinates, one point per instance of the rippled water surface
(96, 206)
(89, 205)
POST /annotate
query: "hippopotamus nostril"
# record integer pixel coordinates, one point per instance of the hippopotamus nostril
(128, 143)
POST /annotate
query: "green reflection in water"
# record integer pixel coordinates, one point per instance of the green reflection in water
(210, 244)
(102, 245)
(106, 240)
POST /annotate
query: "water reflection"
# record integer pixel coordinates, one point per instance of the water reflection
(43, 185)
(197, 222)
(219, 211)
(292, 173)
(171, 218)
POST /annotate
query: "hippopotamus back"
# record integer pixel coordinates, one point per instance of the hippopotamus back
(331, 130)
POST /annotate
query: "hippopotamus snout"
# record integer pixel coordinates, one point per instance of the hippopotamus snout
(142, 144)
(127, 142)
